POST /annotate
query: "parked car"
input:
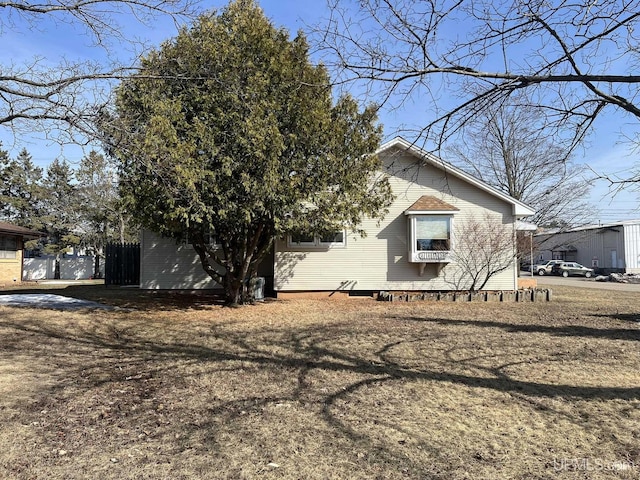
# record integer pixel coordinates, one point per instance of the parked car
(545, 268)
(571, 268)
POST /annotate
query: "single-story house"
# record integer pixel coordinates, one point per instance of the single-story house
(12, 238)
(611, 247)
(413, 248)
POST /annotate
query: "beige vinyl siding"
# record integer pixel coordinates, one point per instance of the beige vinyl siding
(165, 264)
(379, 261)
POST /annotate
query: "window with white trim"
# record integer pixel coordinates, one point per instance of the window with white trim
(302, 240)
(334, 238)
(433, 232)
(326, 240)
(430, 237)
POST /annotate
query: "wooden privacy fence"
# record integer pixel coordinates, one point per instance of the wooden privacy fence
(122, 264)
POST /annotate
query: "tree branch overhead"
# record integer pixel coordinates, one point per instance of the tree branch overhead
(576, 60)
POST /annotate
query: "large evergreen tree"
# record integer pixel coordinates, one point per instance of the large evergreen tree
(62, 208)
(230, 131)
(21, 191)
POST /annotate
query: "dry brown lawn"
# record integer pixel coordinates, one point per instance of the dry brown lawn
(181, 388)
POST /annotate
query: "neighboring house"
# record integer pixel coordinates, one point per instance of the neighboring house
(411, 249)
(611, 247)
(12, 240)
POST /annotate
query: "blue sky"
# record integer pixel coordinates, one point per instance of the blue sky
(54, 42)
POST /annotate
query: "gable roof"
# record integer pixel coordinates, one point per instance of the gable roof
(10, 229)
(431, 204)
(519, 209)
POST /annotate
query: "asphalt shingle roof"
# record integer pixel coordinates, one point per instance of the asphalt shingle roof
(429, 203)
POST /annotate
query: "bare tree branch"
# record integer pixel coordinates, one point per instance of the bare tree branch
(483, 248)
(574, 59)
(62, 99)
(512, 149)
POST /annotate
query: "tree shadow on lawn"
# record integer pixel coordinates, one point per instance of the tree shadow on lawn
(624, 317)
(306, 354)
(561, 331)
(111, 355)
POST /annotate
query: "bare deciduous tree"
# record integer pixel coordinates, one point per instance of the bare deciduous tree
(65, 95)
(463, 56)
(510, 149)
(483, 248)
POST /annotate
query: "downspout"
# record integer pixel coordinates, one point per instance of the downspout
(514, 251)
(21, 250)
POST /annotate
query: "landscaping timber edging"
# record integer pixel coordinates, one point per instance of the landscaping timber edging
(522, 295)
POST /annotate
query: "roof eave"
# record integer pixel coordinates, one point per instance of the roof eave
(521, 210)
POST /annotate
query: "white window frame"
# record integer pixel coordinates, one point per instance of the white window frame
(332, 242)
(428, 256)
(292, 243)
(317, 242)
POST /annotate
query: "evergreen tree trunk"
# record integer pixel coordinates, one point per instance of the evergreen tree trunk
(56, 268)
(234, 290)
(96, 266)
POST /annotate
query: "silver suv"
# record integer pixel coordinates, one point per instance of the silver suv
(545, 267)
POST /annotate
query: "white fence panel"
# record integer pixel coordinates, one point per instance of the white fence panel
(38, 268)
(76, 268)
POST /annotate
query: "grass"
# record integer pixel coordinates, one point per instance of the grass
(182, 388)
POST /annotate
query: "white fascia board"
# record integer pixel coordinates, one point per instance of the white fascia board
(519, 209)
(431, 212)
(526, 227)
